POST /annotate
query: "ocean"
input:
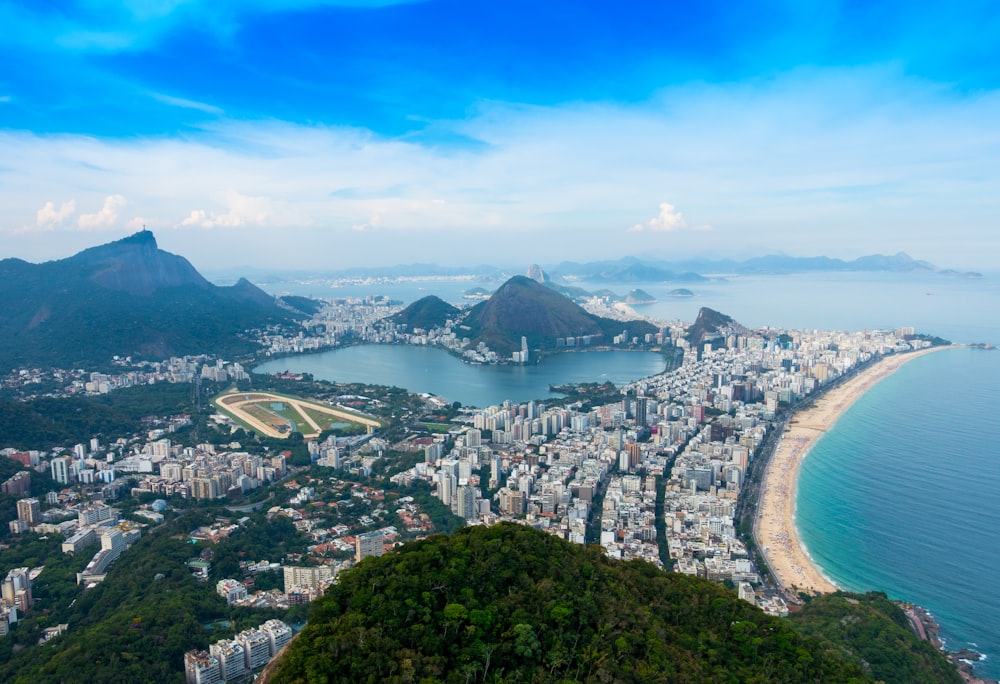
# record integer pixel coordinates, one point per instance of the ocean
(903, 494)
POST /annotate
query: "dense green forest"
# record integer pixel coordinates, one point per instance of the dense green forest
(875, 630)
(47, 422)
(508, 603)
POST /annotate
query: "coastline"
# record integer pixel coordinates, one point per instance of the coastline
(774, 524)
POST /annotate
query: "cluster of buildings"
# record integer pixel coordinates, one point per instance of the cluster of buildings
(692, 432)
(339, 321)
(202, 472)
(61, 382)
(233, 660)
(15, 595)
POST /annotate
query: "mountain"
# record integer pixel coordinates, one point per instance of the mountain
(523, 307)
(708, 327)
(135, 265)
(626, 270)
(426, 313)
(125, 298)
(631, 269)
(508, 603)
(306, 305)
(638, 296)
(536, 273)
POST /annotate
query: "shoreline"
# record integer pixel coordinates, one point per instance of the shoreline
(775, 527)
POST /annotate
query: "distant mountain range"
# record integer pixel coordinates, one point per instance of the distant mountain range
(125, 298)
(641, 270)
(631, 268)
(521, 307)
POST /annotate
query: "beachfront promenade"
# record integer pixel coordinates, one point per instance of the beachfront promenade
(775, 531)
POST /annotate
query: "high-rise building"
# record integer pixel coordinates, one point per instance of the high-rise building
(641, 404)
(369, 544)
(19, 484)
(232, 661)
(29, 510)
(200, 667)
(16, 589)
(60, 469)
(278, 633)
(466, 501)
(306, 577)
(95, 514)
(256, 648)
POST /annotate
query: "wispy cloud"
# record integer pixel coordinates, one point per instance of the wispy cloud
(765, 163)
(99, 26)
(186, 104)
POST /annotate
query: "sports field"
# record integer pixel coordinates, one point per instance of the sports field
(276, 415)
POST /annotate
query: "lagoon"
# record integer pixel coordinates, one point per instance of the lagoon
(433, 370)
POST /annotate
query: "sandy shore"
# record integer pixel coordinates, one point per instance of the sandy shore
(777, 535)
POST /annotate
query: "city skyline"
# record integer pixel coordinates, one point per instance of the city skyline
(331, 134)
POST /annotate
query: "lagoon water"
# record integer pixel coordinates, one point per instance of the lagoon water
(428, 369)
(903, 494)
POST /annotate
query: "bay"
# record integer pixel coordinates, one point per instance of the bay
(433, 370)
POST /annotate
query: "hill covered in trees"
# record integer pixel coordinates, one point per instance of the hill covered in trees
(875, 630)
(508, 603)
(427, 313)
(125, 298)
(522, 307)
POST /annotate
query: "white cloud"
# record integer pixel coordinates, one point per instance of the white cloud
(243, 210)
(373, 222)
(668, 220)
(817, 163)
(49, 216)
(106, 218)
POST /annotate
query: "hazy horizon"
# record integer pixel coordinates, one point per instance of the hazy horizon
(334, 133)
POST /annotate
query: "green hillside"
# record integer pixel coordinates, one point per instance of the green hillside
(426, 313)
(508, 603)
(522, 307)
(875, 631)
(125, 298)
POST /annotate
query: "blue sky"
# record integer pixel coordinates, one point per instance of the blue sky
(311, 133)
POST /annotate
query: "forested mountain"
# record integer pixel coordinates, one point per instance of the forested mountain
(426, 313)
(522, 307)
(126, 298)
(509, 603)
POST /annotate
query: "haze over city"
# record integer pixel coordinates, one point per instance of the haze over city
(325, 134)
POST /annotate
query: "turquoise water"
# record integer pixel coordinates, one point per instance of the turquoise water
(428, 369)
(903, 495)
